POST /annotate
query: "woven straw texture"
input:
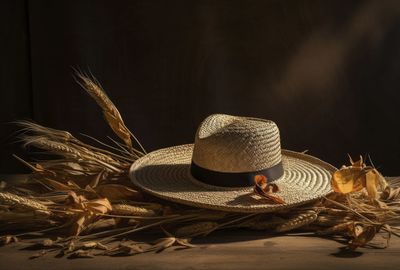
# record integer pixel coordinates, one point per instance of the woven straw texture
(226, 143)
(165, 173)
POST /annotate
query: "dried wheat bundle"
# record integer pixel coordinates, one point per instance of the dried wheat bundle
(85, 198)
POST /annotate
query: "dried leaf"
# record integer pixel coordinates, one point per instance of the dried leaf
(266, 190)
(118, 192)
(101, 246)
(80, 253)
(80, 224)
(101, 224)
(356, 177)
(98, 206)
(363, 237)
(163, 243)
(86, 211)
(260, 180)
(94, 245)
(347, 180)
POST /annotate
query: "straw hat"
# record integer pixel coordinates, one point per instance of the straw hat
(217, 171)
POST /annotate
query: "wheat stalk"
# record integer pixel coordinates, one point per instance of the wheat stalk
(299, 220)
(31, 130)
(110, 112)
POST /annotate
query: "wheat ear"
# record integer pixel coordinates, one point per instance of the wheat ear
(20, 203)
(299, 220)
(110, 111)
(130, 210)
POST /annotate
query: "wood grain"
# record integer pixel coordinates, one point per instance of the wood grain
(225, 250)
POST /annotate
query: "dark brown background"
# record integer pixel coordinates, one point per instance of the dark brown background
(327, 72)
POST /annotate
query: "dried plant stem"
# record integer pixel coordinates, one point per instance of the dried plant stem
(110, 112)
(123, 148)
(127, 158)
(42, 231)
(138, 142)
(136, 229)
(351, 210)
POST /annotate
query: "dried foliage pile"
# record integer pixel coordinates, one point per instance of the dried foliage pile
(80, 203)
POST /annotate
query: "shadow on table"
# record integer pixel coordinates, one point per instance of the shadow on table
(239, 235)
(345, 252)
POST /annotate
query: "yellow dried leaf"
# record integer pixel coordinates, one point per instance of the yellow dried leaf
(372, 183)
(86, 211)
(99, 206)
(347, 180)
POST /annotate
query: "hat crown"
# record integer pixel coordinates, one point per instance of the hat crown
(226, 143)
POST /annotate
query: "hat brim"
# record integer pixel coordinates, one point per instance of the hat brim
(165, 173)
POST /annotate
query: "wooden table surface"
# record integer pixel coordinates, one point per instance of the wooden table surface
(233, 249)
